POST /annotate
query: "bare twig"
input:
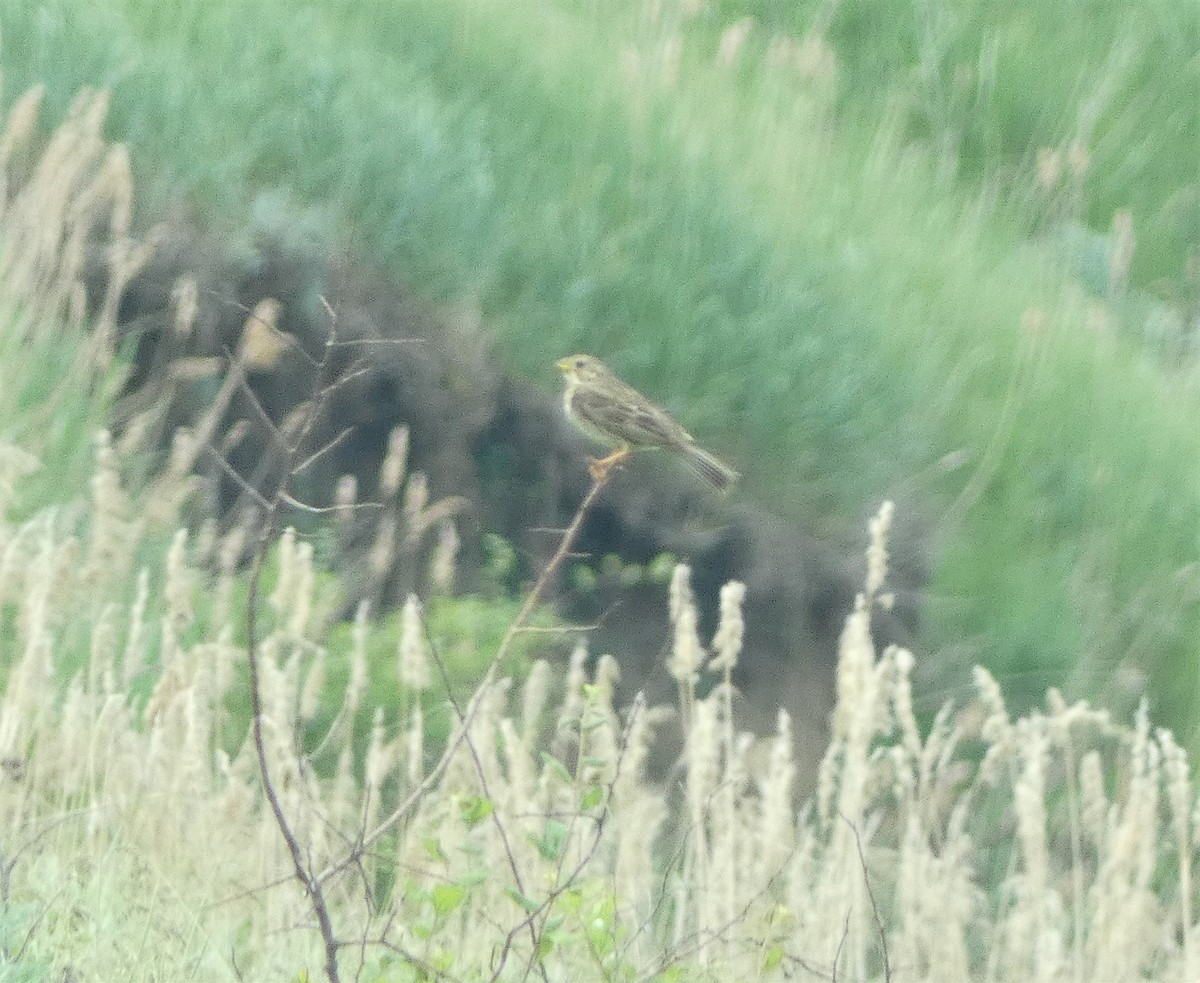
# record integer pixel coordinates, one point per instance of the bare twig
(8, 862)
(561, 884)
(518, 623)
(288, 438)
(235, 476)
(887, 967)
(539, 588)
(302, 869)
(484, 786)
(702, 939)
(837, 956)
(321, 452)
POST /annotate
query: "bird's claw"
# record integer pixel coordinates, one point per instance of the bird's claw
(599, 467)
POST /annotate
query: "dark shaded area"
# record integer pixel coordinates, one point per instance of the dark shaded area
(497, 442)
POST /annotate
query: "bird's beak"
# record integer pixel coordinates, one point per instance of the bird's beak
(564, 365)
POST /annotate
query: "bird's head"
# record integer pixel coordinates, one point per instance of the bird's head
(581, 368)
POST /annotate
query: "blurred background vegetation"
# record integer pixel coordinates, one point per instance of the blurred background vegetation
(945, 253)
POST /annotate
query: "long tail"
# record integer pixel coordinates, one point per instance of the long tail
(709, 467)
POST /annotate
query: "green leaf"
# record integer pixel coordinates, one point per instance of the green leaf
(552, 763)
(600, 937)
(447, 897)
(591, 798)
(500, 556)
(476, 809)
(772, 958)
(473, 878)
(527, 903)
(554, 837)
(434, 848)
(661, 568)
(583, 578)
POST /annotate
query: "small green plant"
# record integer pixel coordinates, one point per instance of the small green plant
(613, 572)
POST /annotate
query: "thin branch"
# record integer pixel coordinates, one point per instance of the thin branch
(318, 454)
(484, 786)
(344, 379)
(539, 588)
(311, 884)
(236, 477)
(535, 596)
(248, 391)
(702, 939)
(300, 506)
(837, 956)
(887, 966)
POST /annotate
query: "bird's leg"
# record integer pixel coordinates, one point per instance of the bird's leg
(599, 467)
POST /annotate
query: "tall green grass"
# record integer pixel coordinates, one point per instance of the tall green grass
(136, 842)
(806, 285)
(989, 84)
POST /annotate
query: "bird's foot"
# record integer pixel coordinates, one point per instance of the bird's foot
(599, 467)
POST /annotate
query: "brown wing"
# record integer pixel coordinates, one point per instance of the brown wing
(625, 413)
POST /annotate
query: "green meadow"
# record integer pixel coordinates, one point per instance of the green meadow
(835, 257)
(946, 255)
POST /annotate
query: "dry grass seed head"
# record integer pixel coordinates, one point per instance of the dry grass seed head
(185, 301)
(997, 731)
(283, 596)
(300, 615)
(102, 655)
(20, 127)
(15, 465)
(877, 551)
(1094, 814)
(262, 344)
(900, 665)
(19, 544)
(522, 778)
(412, 657)
(703, 755)
(178, 588)
(598, 749)
(727, 642)
(356, 685)
(395, 464)
(415, 745)
(571, 712)
(314, 686)
(381, 758)
(687, 654)
(344, 498)
(135, 639)
(776, 832)
(442, 564)
(534, 696)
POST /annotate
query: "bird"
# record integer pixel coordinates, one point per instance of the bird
(617, 415)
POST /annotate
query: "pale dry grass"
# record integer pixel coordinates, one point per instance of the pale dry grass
(133, 845)
(77, 194)
(135, 842)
